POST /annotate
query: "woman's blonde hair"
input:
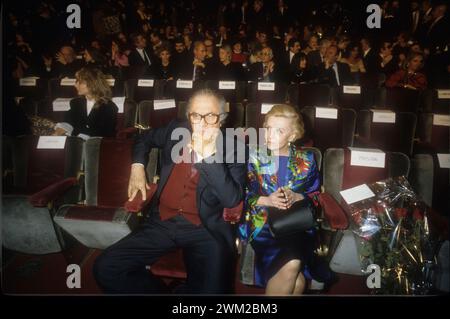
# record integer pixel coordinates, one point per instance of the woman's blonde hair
(288, 111)
(96, 83)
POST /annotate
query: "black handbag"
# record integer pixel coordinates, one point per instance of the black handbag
(296, 219)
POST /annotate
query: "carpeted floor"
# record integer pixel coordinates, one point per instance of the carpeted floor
(46, 274)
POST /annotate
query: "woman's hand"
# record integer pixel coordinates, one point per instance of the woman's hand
(292, 197)
(59, 132)
(276, 199)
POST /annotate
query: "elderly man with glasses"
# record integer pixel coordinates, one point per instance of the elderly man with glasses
(200, 176)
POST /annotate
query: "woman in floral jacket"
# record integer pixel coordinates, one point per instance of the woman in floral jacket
(279, 178)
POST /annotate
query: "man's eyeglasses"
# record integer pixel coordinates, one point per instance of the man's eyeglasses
(210, 118)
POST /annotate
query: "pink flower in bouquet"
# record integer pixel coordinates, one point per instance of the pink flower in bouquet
(417, 214)
(401, 212)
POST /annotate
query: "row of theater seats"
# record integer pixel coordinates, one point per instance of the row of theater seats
(44, 92)
(79, 192)
(325, 126)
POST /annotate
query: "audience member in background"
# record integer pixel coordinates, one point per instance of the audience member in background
(332, 72)
(370, 57)
(266, 70)
(66, 64)
(287, 56)
(180, 55)
(156, 43)
(401, 46)
(210, 54)
(119, 54)
(165, 69)
(227, 70)
(354, 60)
(300, 71)
(94, 58)
(194, 69)
(316, 57)
(388, 63)
(140, 56)
(187, 38)
(223, 37)
(313, 44)
(238, 55)
(92, 114)
(409, 77)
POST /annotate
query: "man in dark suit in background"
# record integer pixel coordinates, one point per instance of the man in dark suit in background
(186, 210)
(197, 68)
(332, 72)
(371, 59)
(141, 57)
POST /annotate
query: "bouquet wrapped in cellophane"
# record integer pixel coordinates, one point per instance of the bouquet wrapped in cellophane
(394, 233)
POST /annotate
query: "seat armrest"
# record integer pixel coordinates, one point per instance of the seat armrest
(233, 215)
(137, 204)
(333, 212)
(126, 133)
(52, 192)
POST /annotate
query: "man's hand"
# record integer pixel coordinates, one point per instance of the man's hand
(198, 63)
(137, 182)
(204, 142)
(60, 58)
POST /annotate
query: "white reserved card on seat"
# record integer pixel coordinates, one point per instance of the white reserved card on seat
(441, 120)
(51, 142)
(111, 82)
(266, 107)
(120, 102)
(326, 113)
(444, 160)
(27, 82)
(367, 157)
(443, 94)
(145, 83)
(67, 82)
(356, 194)
(61, 104)
(227, 85)
(352, 89)
(266, 86)
(184, 84)
(383, 116)
(164, 104)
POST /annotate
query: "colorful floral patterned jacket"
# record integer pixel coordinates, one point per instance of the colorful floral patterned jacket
(303, 177)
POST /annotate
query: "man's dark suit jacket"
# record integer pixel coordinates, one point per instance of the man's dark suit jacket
(185, 71)
(220, 185)
(231, 72)
(372, 61)
(256, 73)
(328, 76)
(100, 122)
(134, 58)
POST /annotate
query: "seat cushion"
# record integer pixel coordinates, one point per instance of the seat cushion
(96, 227)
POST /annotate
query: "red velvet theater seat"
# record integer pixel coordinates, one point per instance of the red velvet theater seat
(151, 116)
(126, 120)
(102, 220)
(339, 174)
(326, 132)
(433, 135)
(260, 92)
(389, 137)
(140, 89)
(42, 180)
